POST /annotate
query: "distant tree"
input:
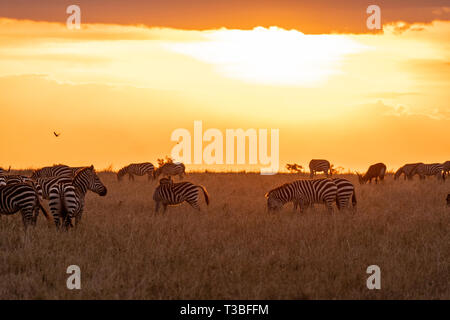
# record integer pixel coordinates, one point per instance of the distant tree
(167, 159)
(294, 168)
(337, 170)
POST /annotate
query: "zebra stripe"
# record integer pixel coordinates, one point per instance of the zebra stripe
(319, 165)
(138, 169)
(67, 199)
(375, 171)
(432, 169)
(54, 171)
(21, 197)
(303, 193)
(171, 169)
(169, 193)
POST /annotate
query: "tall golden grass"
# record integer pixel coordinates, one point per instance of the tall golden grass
(234, 249)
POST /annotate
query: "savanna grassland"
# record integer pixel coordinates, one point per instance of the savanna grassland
(234, 249)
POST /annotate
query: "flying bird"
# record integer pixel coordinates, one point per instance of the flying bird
(56, 134)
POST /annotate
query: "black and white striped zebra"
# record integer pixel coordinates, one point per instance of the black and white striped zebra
(21, 197)
(169, 194)
(345, 192)
(319, 165)
(14, 178)
(171, 169)
(432, 169)
(407, 169)
(303, 193)
(54, 171)
(138, 169)
(67, 199)
(446, 168)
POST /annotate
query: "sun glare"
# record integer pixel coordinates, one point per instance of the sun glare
(272, 56)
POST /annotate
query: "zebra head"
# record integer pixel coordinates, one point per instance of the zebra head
(448, 200)
(87, 179)
(165, 181)
(120, 174)
(273, 202)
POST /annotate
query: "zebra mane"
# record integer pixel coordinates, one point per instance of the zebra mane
(80, 171)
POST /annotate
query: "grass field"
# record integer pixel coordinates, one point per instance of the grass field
(234, 249)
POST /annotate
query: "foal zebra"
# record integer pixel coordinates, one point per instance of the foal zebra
(171, 169)
(67, 199)
(169, 193)
(138, 169)
(407, 170)
(55, 171)
(432, 169)
(319, 165)
(303, 193)
(21, 197)
(375, 171)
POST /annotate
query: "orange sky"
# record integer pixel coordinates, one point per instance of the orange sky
(117, 92)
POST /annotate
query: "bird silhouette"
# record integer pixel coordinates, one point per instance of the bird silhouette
(56, 134)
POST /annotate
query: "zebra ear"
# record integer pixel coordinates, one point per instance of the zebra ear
(91, 167)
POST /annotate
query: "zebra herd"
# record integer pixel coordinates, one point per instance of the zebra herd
(65, 188)
(439, 170)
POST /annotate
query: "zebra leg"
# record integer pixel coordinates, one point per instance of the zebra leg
(164, 207)
(27, 217)
(157, 206)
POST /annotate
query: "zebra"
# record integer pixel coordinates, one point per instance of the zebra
(67, 199)
(376, 171)
(303, 193)
(171, 169)
(446, 167)
(169, 193)
(319, 165)
(432, 169)
(21, 197)
(55, 171)
(138, 169)
(406, 170)
(14, 178)
(345, 191)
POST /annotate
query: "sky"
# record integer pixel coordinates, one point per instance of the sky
(118, 88)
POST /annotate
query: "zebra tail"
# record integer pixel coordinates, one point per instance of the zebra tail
(205, 193)
(354, 202)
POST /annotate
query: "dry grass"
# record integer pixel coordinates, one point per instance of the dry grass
(234, 249)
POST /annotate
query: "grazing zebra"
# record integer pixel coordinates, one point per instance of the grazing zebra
(319, 165)
(21, 197)
(303, 193)
(138, 169)
(55, 171)
(376, 171)
(432, 169)
(345, 191)
(171, 169)
(406, 170)
(169, 193)
(446, 167)
(67, 199)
